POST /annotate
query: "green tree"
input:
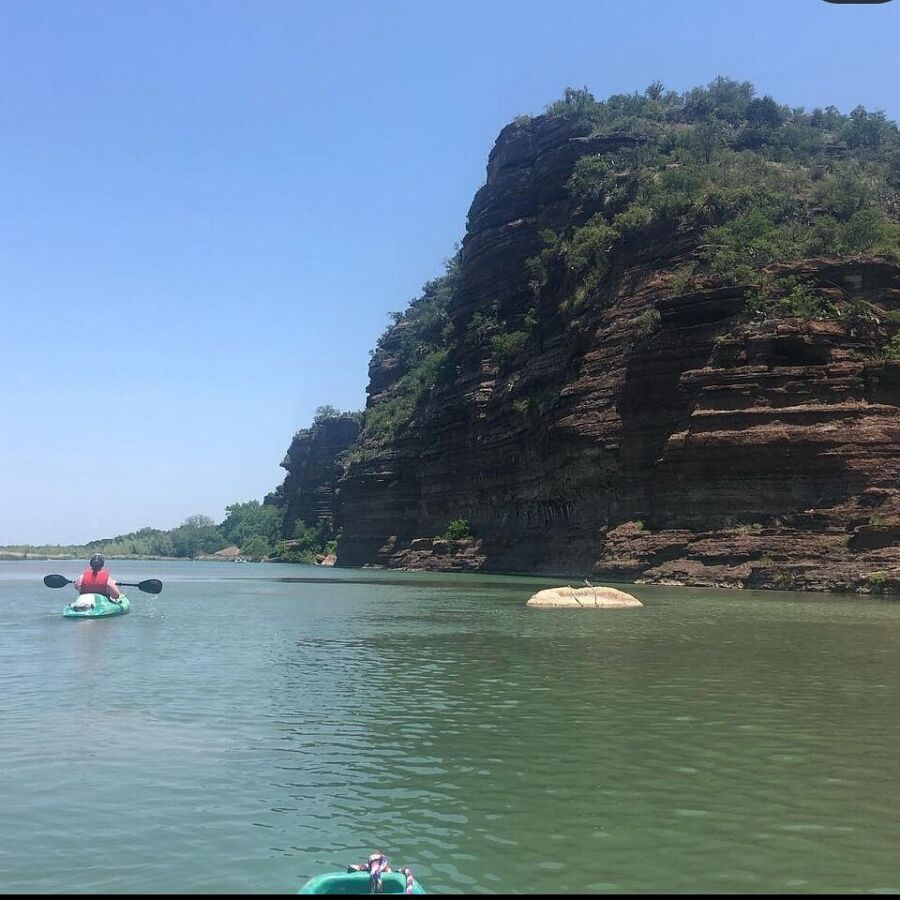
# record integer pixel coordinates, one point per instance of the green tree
(197, 534)
(575, 102)
(326, 411)
(162, 545)
(198, 521)
(708, 139)
(251, 519)
(255, 547)
(764, 112)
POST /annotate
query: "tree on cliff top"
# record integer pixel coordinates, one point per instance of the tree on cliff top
(327, 411)
(757, 182)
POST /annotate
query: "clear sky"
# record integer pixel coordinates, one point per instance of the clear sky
(207, 209)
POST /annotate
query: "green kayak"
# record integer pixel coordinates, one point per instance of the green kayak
(358, 883)
(101, 606)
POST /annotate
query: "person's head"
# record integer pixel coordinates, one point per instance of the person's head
(97, 562)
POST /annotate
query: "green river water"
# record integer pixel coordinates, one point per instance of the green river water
(255, 725)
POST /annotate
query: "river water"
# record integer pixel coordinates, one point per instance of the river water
(256, 724)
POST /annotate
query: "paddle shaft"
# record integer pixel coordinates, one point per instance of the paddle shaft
(149, 586)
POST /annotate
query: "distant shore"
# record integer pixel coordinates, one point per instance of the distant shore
(15, 555)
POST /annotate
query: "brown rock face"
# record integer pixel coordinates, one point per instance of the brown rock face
(310, 490)
(645, 436)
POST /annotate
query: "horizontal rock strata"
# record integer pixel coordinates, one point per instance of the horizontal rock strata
(704, 448)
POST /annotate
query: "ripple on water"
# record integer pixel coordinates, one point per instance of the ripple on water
(490, 749)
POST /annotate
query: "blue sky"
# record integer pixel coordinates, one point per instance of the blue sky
(207, 209)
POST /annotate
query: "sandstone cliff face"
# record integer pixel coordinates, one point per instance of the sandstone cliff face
(310, 491)
(645, 436)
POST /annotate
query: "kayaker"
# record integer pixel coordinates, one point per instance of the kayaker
(96, 580)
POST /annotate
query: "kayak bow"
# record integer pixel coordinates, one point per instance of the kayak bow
(358, 883)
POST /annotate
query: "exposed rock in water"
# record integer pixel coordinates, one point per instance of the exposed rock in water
(583, 598)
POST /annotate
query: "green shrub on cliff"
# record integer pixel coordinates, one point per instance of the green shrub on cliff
(457, 529)
(575, 103)
(418, 343)
(385, 419)
(540, 267)
(877, 581)
(683, 279)
(786, 298)
(424, 325)
(508, 345)
(647, 323)
(757, 182)
(891, 350)
(633, 219)
(803, 302)
(748, 242)
(586, 256)
(592, 178)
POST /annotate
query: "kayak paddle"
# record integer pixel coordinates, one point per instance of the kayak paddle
(149, 586)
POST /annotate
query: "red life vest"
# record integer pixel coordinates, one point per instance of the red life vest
(94, 582)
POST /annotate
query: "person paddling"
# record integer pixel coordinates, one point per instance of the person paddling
(96, 580)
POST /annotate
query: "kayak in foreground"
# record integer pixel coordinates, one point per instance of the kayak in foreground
(374, 876)
(359, 883)
(96, 606)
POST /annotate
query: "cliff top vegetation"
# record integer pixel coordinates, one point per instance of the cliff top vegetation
(752, 181)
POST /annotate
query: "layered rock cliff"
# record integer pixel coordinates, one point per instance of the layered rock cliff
(309, 493)
(642, 426)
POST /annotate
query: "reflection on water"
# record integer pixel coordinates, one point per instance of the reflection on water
(245, 730)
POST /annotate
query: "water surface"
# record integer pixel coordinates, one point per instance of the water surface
(254, 725)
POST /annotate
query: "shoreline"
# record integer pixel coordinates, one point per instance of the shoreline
(886, 593)
(29, 556)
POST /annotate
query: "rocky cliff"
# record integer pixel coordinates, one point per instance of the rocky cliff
(644, 426)
(309, 493)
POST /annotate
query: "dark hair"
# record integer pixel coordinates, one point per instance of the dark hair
(97, 562)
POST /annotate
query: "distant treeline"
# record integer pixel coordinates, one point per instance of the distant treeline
(253, 527)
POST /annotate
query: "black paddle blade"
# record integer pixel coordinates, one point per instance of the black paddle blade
(151, 585)
(55, 581)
